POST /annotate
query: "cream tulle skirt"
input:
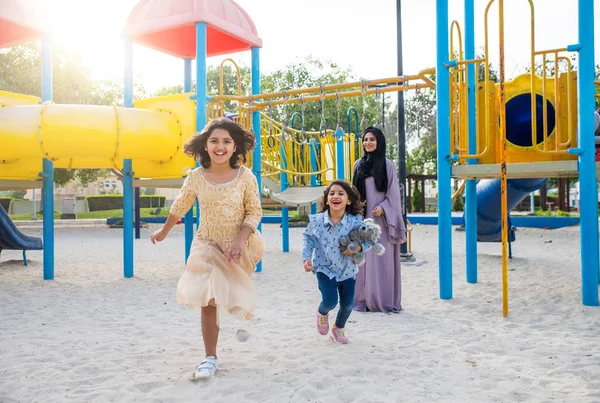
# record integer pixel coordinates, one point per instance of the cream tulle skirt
(209, 276)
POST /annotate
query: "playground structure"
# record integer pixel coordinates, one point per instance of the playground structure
(528, 145)
(536, 137)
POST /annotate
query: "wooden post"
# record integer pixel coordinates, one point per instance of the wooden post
(543, 199)
(409, 197)
(423, 195)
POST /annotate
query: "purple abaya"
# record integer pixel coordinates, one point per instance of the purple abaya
(378, 283)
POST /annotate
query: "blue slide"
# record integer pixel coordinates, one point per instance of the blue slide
(489, 208)
(12, 238)
(518, 132)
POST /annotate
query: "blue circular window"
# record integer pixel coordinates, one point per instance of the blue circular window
(518, 119)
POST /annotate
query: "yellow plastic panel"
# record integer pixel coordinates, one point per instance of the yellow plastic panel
(14, 99)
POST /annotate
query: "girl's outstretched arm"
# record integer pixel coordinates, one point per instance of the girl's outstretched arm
(162, 233)
(181, 205)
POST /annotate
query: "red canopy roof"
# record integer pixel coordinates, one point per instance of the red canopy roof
(170, 26)
(16, 25)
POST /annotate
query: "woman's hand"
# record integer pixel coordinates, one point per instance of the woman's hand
(234, 252)
(308, 267)
(158, 235)
(377, 211)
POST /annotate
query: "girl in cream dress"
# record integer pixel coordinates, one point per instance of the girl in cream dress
(227, 245)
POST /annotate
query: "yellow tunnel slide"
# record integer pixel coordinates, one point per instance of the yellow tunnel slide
(85, 136)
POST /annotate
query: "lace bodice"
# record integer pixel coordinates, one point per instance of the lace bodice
(224, 208)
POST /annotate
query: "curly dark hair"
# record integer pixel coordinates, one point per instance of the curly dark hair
(244, 141)
(355, 207)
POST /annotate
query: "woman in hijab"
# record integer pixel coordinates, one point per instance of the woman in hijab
(378, 283)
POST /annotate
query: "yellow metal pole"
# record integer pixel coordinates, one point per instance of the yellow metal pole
(503, 193)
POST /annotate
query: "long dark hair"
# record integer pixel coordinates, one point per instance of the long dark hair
(244, 141)
(372, 164)
(355, 207)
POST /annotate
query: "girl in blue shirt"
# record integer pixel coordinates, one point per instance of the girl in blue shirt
(335, 270)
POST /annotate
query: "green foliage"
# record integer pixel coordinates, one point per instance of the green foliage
(423, 158)
(83, 176)
(71, 79)
(458, 204)
(417, 199)
(72, 84)
(308, 73)
(18, 194)
(115, 202)
(421, 125)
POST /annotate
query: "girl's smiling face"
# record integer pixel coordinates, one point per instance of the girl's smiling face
(337, 199)
(220, 147)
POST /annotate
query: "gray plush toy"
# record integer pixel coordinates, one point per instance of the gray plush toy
(369, 232)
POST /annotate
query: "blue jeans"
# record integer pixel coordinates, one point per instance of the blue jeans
(329, 291)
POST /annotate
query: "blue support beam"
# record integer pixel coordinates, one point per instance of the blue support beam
(587, 164)
(257, 154)
(47, 168)
(285, 217)
(339, 153)
(443, 152)
(127, 218)
(128, 169)
(471, 188)
(201, 56)
(313, 166)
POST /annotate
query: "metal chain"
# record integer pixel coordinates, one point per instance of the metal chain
(364, 114)
(378, 124)
(338, 101)
(302, 109)
(284, 131)
(323, 126)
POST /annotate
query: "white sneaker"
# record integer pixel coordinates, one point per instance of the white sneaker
(206, 368)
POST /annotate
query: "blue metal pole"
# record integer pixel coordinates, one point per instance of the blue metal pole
(137, 212)
(128, 169)
(48, 168)
(48, 214)
(257, 156)
(339, 153)
(189, 216)
(128, 218)
(443, 152)
(471, 192)
(313, 166)
(285, 218)
(201, 55)
(587, 165)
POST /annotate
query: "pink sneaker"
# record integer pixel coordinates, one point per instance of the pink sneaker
(338, 335)
(322, 323)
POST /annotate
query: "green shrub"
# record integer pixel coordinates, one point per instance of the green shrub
(115, 202)
(417, 198)
(458, 204)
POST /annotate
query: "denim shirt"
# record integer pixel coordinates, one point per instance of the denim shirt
(321, 244)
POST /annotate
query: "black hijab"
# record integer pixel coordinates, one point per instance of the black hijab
(372, 164)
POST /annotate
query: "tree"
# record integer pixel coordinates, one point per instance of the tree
(421, 125)
(17, 194)
(308, 73)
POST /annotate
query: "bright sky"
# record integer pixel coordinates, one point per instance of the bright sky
(359, 34)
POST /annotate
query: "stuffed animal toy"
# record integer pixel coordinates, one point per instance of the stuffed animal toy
(369, 232)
